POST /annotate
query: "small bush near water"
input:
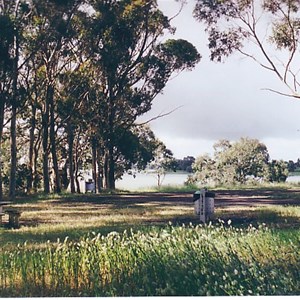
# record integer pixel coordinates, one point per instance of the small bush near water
(186, 260)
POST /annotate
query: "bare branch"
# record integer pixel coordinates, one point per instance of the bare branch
(256, 60)
(183, 2)
(295, 96)
(161, 115)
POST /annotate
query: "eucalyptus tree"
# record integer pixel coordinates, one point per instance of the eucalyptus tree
(6, 62)
(247, 157)
(13, 19)
(163, 161)
(73, 93)
(131, 65)
(278, 171)
(265, 31)
(52, 33)
(33, 82)
(233, 162)
(137, 148)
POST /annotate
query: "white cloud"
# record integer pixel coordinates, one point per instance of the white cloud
(223, 101)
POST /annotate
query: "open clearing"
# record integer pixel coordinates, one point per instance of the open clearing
(151, 244)
(147, 208)
(77, 215)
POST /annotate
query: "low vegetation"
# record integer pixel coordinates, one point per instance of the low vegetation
(150, 244)
(193, 260)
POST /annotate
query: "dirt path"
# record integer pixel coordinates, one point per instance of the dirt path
(257, 198)
(222, 198)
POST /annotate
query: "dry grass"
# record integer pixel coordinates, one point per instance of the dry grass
(77, 216)
(44, 220)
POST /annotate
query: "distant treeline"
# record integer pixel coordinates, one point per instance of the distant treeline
(185, 164)
(294, 166)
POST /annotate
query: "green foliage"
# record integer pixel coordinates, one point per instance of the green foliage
(180, 53)
(278, 171)
(162, 162)
(86, 71)
(136, 149)
(239, 162)
(185, 164)
(204, 170)
(183, 261)
(129, 66)
(6, 42)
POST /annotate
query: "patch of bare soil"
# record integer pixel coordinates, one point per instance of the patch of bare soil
(223, 198)
(257, 197)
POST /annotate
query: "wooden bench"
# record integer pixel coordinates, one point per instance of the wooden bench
(13, 217)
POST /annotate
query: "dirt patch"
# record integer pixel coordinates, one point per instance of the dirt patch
(222, 198)
(257, 197)
(152, 208)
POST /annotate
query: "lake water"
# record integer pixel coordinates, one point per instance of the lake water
(293, 179)
(146, 180)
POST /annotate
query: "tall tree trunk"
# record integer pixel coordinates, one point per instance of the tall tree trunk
(57, 187)
(13, 127)
(109, 151)
(13, 153)
(65, 176)
(36, 149)
(1, 133)
(105, 170)
(45, 126)
(99, 175)
(94, 163)
(70, 155)
(76, 179)
(31, 148)
(109, 169)
(76, 163)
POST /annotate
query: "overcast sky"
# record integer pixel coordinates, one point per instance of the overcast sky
(222, 101)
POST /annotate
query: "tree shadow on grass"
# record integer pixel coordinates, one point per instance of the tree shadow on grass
(269, 215)
(244, 208)
(120, 201)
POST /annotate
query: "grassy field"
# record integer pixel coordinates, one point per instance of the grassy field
(150, 244)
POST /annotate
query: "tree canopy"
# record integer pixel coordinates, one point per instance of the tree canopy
(238, 162)
(75, 76)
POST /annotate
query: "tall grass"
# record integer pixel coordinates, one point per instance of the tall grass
(185, 260)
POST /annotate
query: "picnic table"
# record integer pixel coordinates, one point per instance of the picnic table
(13, 214)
